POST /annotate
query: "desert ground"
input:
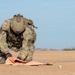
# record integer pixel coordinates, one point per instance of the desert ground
(63, 63)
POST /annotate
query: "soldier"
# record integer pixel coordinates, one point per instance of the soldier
(18, 35)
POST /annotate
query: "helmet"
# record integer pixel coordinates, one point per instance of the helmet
(17, 24)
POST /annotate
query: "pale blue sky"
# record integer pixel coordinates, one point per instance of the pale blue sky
(55, 20)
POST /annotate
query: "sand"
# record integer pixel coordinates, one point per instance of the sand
(63, 63)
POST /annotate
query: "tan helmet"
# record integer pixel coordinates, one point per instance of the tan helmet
(17, 24)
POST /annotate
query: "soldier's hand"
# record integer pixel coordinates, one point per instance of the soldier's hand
(8, 55)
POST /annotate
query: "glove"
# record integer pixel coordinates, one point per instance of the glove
(8, 55)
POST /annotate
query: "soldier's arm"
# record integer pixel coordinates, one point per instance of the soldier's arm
(3, 45)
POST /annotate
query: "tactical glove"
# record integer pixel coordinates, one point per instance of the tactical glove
(4, 57)
(8, 55)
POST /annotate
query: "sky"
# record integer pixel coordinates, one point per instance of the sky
(55, 20)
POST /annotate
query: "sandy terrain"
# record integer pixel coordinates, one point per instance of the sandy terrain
(63, 64)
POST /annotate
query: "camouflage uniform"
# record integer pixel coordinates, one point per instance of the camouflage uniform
(18, 35)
